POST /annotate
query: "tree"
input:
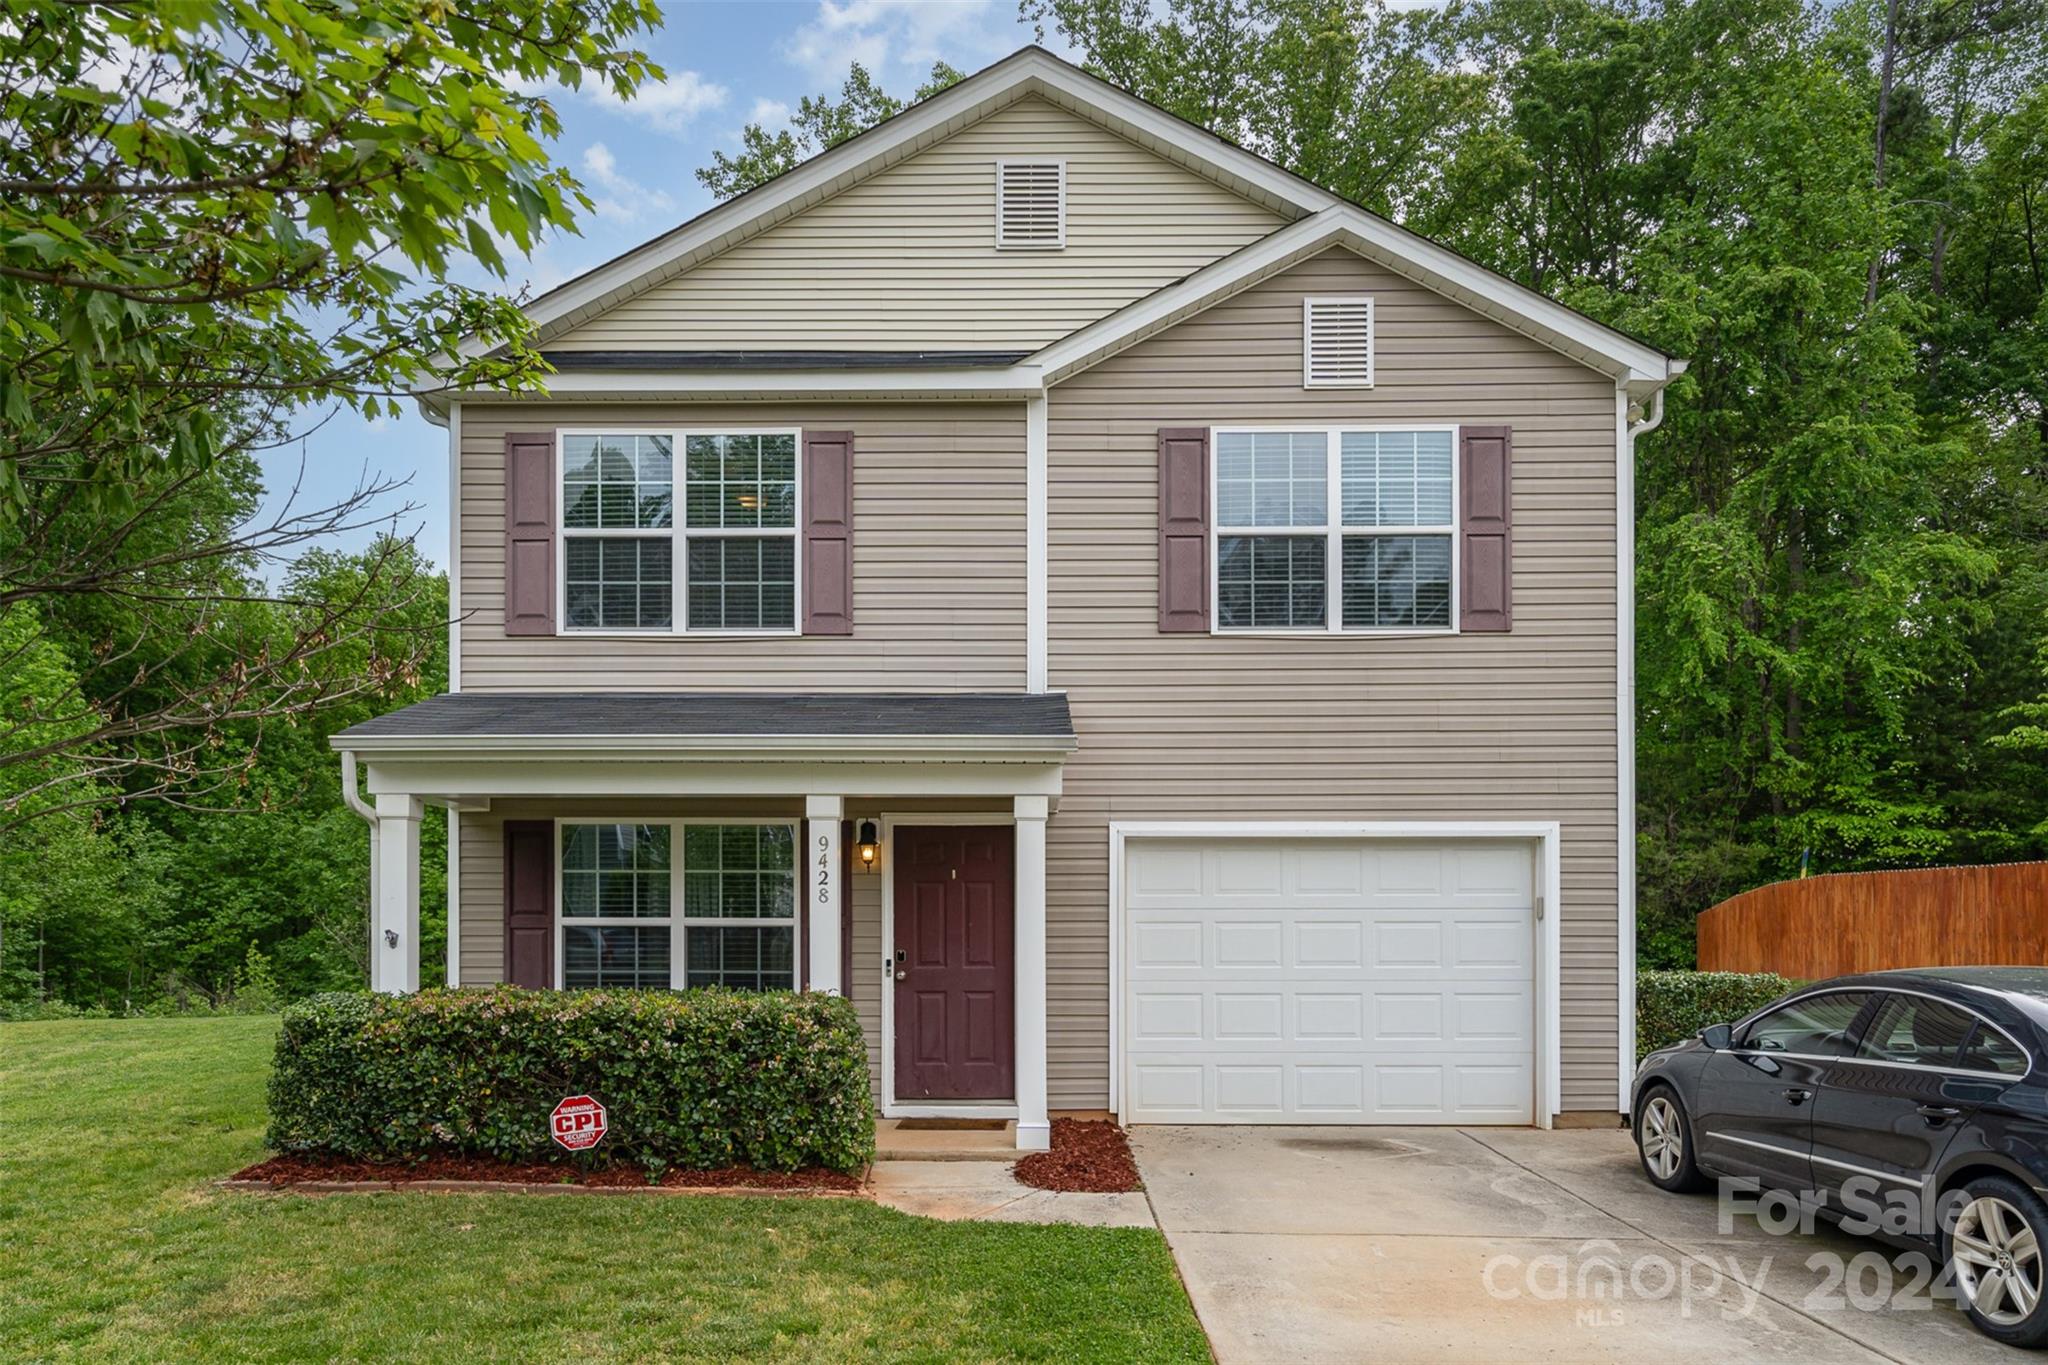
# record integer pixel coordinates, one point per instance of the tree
(819, 124)
(216, 219)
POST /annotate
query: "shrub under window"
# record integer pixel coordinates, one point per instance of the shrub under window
(705, 1079)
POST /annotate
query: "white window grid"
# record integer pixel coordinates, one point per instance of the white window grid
(676, 921)
(679, 533)
(1331, 529)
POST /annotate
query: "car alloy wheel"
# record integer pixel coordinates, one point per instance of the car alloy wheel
(1997, 1260)
(1663, 1137)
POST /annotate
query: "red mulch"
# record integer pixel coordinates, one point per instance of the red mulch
(1089, 1155)
(297, 1170)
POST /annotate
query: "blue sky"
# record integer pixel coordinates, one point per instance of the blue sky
(727, 64)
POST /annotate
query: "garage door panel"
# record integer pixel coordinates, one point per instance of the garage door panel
(1269, 1087)
(1329, 981)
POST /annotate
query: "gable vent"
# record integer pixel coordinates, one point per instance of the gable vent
(1337, 353)
(1031, 205)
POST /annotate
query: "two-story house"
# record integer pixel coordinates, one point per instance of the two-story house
(1154, 635)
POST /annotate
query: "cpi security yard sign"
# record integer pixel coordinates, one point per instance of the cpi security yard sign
(578, 1123)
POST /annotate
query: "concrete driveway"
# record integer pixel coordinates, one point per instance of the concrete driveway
(1395, 1244)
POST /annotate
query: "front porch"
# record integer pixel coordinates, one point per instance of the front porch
(890, 849)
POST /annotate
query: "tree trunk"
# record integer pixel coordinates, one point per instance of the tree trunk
(1887, 71)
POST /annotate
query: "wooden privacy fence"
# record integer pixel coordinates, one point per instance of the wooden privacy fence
(1870, 921)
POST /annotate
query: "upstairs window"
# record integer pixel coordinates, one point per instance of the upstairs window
(1337, 343)
(1335, 529)
(731, 564)
(1031, 205)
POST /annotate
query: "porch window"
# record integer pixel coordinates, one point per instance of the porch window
(629, 920)
(617, 925)
(731, 558)
(1334, 529)
(739, 906)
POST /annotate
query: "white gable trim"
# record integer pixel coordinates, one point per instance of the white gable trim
(1030, 71)
(1591, 343)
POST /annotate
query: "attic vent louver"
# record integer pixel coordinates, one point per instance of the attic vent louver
(1337, 349)
(1031, 205)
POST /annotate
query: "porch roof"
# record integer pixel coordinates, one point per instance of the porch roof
(970, 722)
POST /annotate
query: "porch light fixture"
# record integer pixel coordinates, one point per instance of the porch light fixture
(868, 846)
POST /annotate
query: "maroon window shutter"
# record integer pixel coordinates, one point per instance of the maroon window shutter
(1485, 601)
(530, 903)
(828, 533)
(1184, 529)
(530, 533)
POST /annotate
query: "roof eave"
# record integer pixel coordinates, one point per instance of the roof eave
(719, 748)
(968, 382)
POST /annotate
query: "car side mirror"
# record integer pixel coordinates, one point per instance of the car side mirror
(1718, 1037)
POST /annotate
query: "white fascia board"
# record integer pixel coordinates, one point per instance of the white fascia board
(563, 776)
(728, 748)
(1006, 384)
(1417, 258)
(1186, 143)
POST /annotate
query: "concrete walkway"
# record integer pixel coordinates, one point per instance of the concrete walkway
(986, 1190)
(1412, 1244)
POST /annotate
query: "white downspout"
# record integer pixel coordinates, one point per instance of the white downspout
(354, 800)
(1625, 727)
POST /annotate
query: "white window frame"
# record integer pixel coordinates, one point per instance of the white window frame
(1002, 163)
(678, 925)
(1372, 341)
(679, 535)
(1332, 530)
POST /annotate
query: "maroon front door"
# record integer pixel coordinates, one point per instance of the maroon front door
(955, 978)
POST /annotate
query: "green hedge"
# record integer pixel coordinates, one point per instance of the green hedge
(1674, 1006)
(701, 1079)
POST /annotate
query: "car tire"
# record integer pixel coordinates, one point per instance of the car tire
(1996, 1248)
(1664, 1142)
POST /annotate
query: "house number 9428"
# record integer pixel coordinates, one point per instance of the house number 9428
(824, 869)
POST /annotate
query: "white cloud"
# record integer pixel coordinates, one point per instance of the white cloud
(898, 40)
(623, 199)
(670, 105)
(768, 113)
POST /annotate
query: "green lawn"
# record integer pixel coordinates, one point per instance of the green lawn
(114, 1246)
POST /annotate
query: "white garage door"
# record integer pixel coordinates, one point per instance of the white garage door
(1328, 981)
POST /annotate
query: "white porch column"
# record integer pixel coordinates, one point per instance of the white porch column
(395, 899)
(823, 890)
(1034, 1127)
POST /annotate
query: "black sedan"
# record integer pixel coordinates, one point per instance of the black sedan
(1912, 1104)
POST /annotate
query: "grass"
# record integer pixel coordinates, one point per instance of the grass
(114, 1246)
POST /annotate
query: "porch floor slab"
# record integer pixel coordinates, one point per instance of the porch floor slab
(958, 1191)
(894, 1142)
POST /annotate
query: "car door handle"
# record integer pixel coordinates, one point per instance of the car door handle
(1797, 1095)
(1938, 1114)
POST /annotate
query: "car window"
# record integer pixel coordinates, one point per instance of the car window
(1815, 1024)
(1916, 1030)
(1990, 1050)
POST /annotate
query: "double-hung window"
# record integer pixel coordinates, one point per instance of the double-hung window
(634, 914)
(728, 563)
(1335, 529)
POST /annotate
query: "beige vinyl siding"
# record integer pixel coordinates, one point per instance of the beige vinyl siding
(907, 259)
(938, 559)
(1518, 726)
